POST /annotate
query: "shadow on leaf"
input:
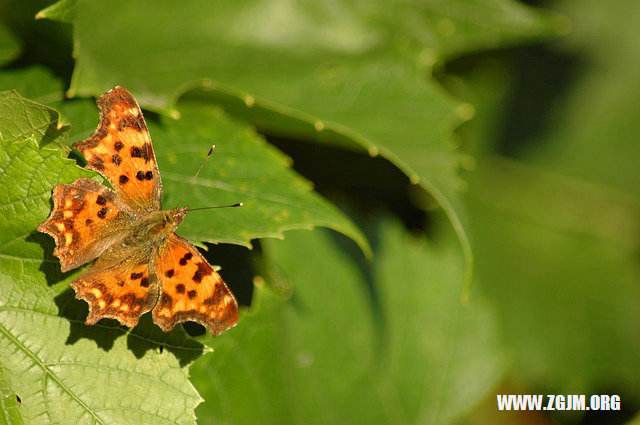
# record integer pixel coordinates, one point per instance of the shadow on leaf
(50, 265)
(103, 334)
(144, 337)
(52, 132)
(147, 336)
(366, 270)
(359, 183)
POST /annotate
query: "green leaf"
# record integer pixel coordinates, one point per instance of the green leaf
(566, 248)
(63, 371)
(241, 43)
(444, 356)
(357, 342)
(9, 45)
(557, 252)
(9, 407)
(244, 169)
(35, 83)
(24, 120)
(442, 30)
(62, 11)
(336, 73)
(42, 42)
(491, 24)
(594, 127)
(412, 128)
(264, 367)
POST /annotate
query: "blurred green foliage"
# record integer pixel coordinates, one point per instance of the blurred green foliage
(553, 198)
(476, 156)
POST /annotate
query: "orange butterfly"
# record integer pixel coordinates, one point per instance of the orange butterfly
(143, 265)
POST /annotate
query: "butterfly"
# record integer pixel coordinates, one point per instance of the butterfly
(141, 264)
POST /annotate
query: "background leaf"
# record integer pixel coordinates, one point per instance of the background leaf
(378, 343)
(442, 30)
(551, 209)
(244, 169)
(63, 11)
(35, 83)
(594, 127)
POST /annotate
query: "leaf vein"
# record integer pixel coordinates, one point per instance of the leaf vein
(48, 373)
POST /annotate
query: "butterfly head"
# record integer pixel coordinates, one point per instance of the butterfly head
(174, 217)
(160, 224)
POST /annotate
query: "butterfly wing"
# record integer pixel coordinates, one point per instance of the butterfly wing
(118, 286)
(87, 218)
(191, 289)
(121, 150)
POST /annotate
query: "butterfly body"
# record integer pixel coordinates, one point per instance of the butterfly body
(140, 263)
(154, 227)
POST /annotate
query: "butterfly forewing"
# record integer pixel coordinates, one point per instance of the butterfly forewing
(87, 218)
(121, 150)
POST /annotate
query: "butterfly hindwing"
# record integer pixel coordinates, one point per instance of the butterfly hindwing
(87, 218)
(191, 289)
(118, 286)
(121, 150)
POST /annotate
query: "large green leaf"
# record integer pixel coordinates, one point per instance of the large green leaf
(595, 126)
(557, 253)
(62, 371)
(35, 83)
(256, 46)
(440, 30)
(348, 72)
(245, 168)
(356, 343)
(566, 248)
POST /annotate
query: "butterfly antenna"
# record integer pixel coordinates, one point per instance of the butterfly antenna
(195, 176)
(236, 205)
(206, 160)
